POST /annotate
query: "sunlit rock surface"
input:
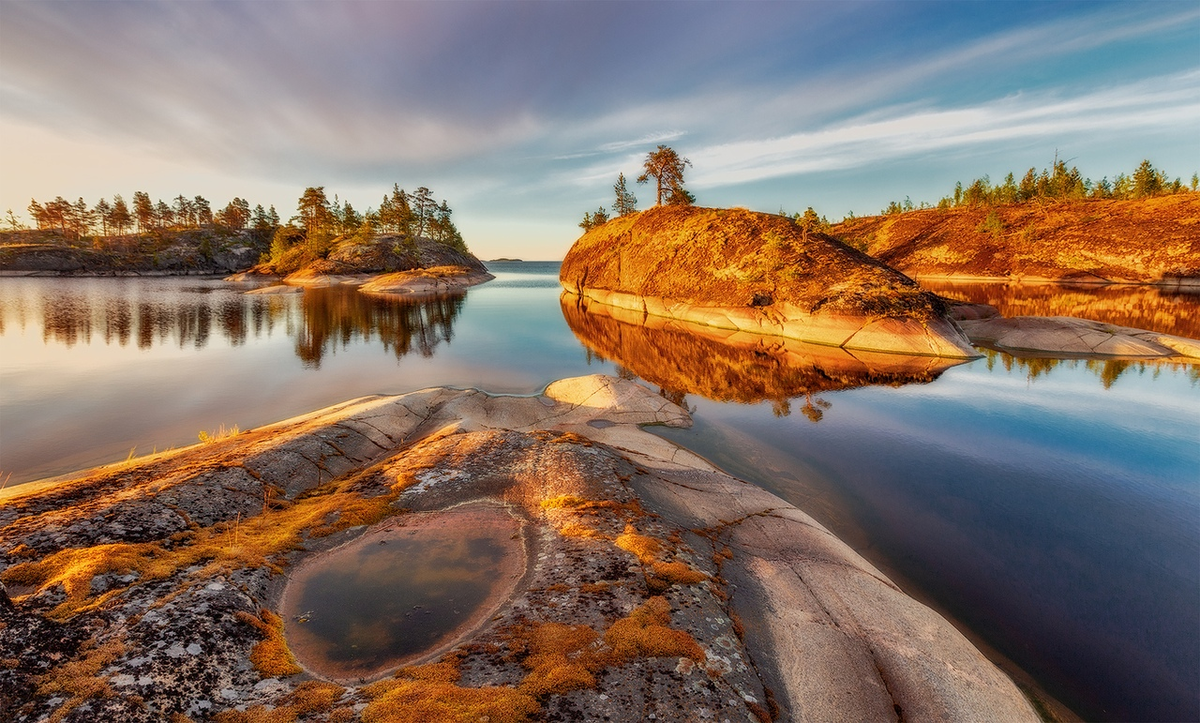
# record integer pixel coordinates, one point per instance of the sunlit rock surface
(655, 586)
(1083, 337)
(686, 358)
(759, 273)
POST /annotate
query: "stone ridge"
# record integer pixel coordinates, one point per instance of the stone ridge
(760, 273)
(659, 587)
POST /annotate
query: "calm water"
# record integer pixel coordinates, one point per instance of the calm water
(368, 607)
(1053, 508)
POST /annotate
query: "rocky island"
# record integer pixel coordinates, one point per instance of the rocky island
(761, 273)
(1154, 240)
(379, 264)
(643, 582)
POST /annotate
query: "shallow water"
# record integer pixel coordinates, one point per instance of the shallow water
(1052, 507)
(398, 594)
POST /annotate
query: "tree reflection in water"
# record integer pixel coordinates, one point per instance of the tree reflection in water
(339, 316)
(684, 358)
(320, 320)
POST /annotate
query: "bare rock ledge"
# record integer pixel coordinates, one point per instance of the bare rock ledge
(657, 586)
(760, 273)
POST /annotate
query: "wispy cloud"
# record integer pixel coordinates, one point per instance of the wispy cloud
(1170, 103)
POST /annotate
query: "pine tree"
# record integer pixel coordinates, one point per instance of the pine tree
(626, 202)
(666, 167)
(143, 211)
(423, 210)
(119, 217)
(103, 212)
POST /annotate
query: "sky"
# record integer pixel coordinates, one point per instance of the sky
(522, 114)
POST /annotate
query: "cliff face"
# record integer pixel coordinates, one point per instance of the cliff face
(737, 269)
(1147, 240)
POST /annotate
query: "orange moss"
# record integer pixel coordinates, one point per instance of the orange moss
(271, 655)
(739, 629)
(645, 548)
(228, 545)
(79, 680)
(645, 634)
(313, 696)
(429, 693)
(576, 529)
(443, 671)
(677, 573)
(594, 587)
(560, 659)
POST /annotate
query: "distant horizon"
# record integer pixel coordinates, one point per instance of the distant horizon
(521, 115)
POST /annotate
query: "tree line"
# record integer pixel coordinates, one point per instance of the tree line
(416, 215)
(666, 167)
(143, 215)
(319, 223)
(1056, 183)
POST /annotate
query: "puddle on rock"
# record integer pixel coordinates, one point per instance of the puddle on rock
(403, 591)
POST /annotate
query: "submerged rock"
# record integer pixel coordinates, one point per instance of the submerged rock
(656, 587)
(759, 273)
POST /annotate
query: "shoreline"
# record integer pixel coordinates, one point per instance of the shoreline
(624, 521)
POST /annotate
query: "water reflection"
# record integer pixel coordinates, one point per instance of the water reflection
(684, 358)
(400, 593)
(1142, 307)
(336, 317)
(1107, 370)
(321, 320)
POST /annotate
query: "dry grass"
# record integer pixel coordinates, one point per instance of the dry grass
(271, 655)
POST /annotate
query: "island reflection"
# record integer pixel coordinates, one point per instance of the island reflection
(320, 320)
(725, 366)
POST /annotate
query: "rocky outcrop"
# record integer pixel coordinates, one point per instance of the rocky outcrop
(1152, 240)
(426, 282)
(686, 358)
(657, 587)
(738, 270)
(164, 253)
(1065, 335)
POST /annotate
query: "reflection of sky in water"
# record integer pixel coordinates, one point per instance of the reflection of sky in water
(1052, 507)
(1055, 517)
(396, 599)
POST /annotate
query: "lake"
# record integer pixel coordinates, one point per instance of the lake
(1050, 508)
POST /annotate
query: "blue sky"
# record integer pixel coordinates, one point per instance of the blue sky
(521, 115)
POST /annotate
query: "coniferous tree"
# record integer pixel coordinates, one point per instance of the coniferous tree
(314, 210)
(666, 167)
(119, 217)
(143, 211)
(626, 202)
(103, 213)
(423, 209)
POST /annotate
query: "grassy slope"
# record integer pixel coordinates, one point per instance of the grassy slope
(1139, 240)
(737, 258)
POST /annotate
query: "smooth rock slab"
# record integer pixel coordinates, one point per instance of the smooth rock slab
(1069, 335)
